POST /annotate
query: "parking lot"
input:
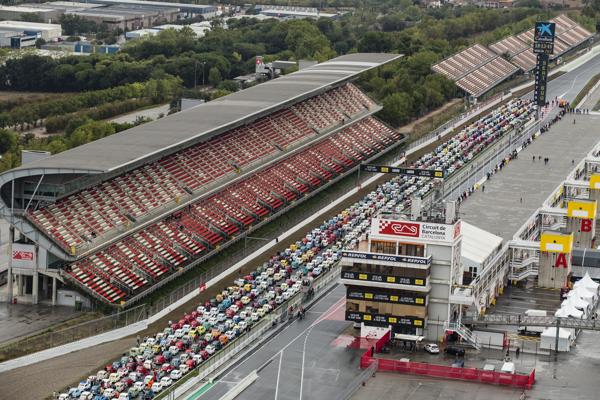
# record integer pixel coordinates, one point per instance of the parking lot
(570, 378)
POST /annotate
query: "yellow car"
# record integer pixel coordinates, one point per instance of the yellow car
(156, 349)
(192, 333)
(201, 330)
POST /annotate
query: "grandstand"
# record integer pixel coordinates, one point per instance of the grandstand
(120, 214)
(477, 70)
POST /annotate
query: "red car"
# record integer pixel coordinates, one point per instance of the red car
(109, 368)
(180, 345)
(160, 360)
(190, 363)
(141, 370)
(131, 365)
(204, 354)
(167, 368)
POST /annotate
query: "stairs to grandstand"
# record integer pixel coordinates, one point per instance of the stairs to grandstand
(465, 333)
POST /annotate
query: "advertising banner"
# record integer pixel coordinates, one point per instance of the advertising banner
(359, 255)
(361, 293)
(367, 276)
(378, 319)
(416, 230)
(543, 37)
(541, 79)
(382, 169)
(23, 255)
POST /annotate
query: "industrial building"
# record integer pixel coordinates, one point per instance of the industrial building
(287, 12)
(44, 31)
(46, 14)
(402, 274)
(189, 10)
(199, 30)
(128, 17)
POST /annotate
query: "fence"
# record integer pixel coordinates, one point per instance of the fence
(45, 340)
(448, 372)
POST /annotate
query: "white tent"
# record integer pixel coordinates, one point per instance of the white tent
(568, 310)
(576, 302)
(588, 283)
(549, 339)
(582, 293)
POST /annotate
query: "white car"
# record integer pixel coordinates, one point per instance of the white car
(210, 349)
(432, 348)
(85, 395)
(184, 369)
(166, 381)
(156, 387)
(109, 393)
(176, 374)
(139, 386)
(123, 396)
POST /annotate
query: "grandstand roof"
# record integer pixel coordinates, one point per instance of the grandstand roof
(149, 141)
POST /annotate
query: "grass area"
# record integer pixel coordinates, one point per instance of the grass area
(585, 90)
(430, 124)
(27, 96)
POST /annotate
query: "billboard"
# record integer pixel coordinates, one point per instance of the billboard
(383, 169)
(379, 319)
(581, 209)
(556, 242)
(541, 79)
(23, 255)
(363, 293)
(415, 230)
(543, 37)
(359, 255)
(382, 278)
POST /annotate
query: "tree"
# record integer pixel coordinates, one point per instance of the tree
(39, 43)
(214, 76)
(8, 140)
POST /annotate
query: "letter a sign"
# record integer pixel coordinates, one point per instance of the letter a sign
(561, 260)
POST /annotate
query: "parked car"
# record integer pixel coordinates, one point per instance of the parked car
(432, 348)
(455, 351)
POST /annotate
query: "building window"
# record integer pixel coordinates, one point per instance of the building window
(380, 246)
(412, 250)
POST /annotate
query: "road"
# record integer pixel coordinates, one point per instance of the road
(152, 113)
(308, 359)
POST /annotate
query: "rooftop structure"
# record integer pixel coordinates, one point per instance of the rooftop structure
(46, 31)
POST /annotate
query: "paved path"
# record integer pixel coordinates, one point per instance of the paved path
(152, 113)
(499, 210)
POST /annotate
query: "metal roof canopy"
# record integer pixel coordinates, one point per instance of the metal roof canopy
(147, 142)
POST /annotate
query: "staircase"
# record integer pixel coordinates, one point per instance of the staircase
(465, 333)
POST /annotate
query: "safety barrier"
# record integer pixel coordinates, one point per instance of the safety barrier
(448, 372)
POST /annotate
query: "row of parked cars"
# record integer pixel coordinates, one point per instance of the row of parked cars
(158, 361)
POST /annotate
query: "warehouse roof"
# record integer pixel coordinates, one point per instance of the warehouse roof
(180, 130)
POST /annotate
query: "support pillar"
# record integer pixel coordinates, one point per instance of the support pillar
(9, 283)
(45, 286)
(35, 287)
(53, 290)
(20, 284)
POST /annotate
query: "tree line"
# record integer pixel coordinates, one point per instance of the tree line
(99, 104)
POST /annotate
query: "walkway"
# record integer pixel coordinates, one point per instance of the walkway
(500, 210)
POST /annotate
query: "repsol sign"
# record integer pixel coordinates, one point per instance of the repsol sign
(355, 255)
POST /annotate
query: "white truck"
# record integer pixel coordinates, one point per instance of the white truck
(533, 330)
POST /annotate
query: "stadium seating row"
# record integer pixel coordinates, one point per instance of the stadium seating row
(487, 76)
(117, 202)
(462, 63)
(150, 254)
